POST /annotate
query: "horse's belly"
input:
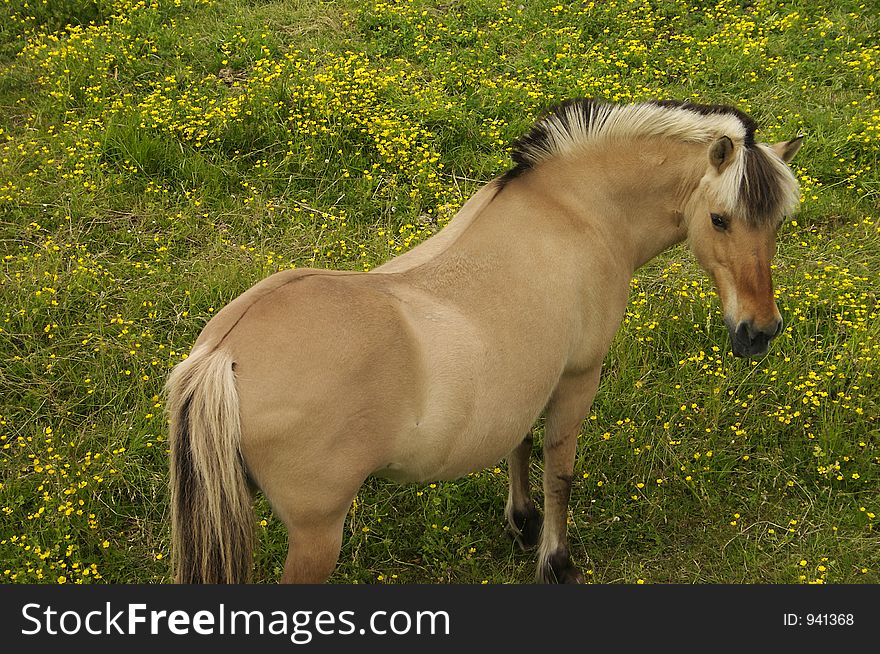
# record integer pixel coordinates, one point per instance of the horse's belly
(467, 460)
(444, 453)
(480, 389)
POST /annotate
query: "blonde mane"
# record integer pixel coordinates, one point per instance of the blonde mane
(757, 185)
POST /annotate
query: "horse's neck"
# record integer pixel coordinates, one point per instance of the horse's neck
(632, 198)
(618, 204)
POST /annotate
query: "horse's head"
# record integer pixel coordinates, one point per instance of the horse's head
(732, 220)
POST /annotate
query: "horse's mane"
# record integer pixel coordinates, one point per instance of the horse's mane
(757, 185)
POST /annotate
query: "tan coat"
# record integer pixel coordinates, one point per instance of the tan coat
(438, 363)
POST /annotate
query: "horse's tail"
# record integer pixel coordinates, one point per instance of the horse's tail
(212, 519)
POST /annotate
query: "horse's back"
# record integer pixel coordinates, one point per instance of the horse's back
(446, 237)
(219, 326)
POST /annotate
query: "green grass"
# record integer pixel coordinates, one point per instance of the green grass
(160, 157)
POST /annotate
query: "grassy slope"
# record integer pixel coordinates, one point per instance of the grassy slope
(161, 158)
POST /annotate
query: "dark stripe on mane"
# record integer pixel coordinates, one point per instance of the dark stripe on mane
(537, 139)
(715, 109)
(761, 191)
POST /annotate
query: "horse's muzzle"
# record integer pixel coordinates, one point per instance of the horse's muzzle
(750, 341)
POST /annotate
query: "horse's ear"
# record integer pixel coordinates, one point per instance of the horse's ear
(786, 150)
(721, 153)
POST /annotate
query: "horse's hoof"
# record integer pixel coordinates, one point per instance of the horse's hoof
(558, 569)
(571, 575)
(524, 526)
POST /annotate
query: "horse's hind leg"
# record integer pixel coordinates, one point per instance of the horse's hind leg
(565, 413)
(313, 506)
(313, 550)
(523, 519)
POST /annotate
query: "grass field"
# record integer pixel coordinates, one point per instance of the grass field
(158, 157)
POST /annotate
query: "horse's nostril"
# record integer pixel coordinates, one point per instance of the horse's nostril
(779, 325)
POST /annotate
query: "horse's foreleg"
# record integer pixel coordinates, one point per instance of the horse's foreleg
(523, 519)
(565, 413)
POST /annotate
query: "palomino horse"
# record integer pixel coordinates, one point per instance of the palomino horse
(438, 363)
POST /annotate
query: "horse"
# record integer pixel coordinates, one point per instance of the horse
(439, 362)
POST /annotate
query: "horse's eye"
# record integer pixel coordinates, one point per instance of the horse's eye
(719, 221)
